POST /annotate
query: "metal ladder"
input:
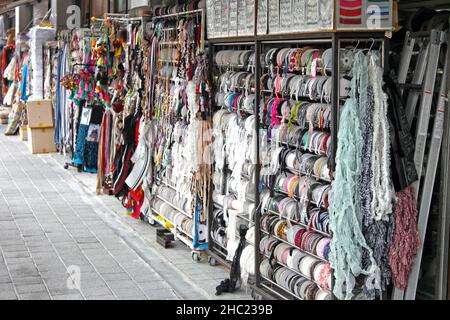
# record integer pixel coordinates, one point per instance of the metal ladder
(428, 184)
(424, 79)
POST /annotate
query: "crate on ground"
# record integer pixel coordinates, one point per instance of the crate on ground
(164, 237)
(41, 140)
(40, 114)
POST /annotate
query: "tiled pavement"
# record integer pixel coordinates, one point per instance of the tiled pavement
(56, 233)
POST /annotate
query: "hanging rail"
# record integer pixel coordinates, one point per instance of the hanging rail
(179, 14)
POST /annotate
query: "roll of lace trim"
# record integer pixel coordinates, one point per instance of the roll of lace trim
(345, 215)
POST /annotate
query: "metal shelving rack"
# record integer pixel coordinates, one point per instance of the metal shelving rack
(261, 288)
(216, 252)
(179, 233)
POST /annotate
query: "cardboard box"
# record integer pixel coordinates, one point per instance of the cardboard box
(40, 114)
(23, 133)
(41, 140)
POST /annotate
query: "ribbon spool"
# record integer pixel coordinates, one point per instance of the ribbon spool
(266, 269)
(322, 275)
(306, 266)
(234, 58)
(346, 59)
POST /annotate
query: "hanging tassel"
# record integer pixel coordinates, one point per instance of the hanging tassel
(405, 242)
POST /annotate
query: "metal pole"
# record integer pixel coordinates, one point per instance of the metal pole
(334, 116)
(428, 183)
(444, 203)
(335, 100)
(257, 215)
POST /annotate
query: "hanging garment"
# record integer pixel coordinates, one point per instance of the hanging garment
(14, 119)
(402, 143)
(104, 153)
(140, 158)
(58, 102)
(92, 140)
(7, 53)
(85, 117)
(63, 106)
(86, 152)
(122, 161)
(10, 95)
(23, 85)
(10, 70)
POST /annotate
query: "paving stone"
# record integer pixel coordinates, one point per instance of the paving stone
(96, 291)
(123, 293)
(55, 268)
(11, 241)
(121, 284)
(106, 297)
(68, 297)
(86, 240)
(20, 271)
(115, 276)
(87, 283)
(154, 285)
(35, 296)
(26, 260)
(159, 294)
(7, 295)
(13, 249)
(4, 279)
(96, 246)
(28, 280)
(42, 249)
(29, 288)
(6, 287)
(62, 291)
(45, 275)
(109, 268)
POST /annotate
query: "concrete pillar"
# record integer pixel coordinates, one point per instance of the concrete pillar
(23, 17)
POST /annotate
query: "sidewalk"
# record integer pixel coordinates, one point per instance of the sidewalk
(51, 221)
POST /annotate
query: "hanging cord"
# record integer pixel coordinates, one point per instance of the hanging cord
(405, 241)
(382, 186)
(45, 17)
(233, 283)
(348, 242)
(376, 190)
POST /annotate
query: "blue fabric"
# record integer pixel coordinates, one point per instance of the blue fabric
(86, 152)
(23, 85)
(90, 156)
(78, 156)
(196, 243)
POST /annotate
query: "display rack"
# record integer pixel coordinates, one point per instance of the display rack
(264, 287)
(218, 251)
(167, 198)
